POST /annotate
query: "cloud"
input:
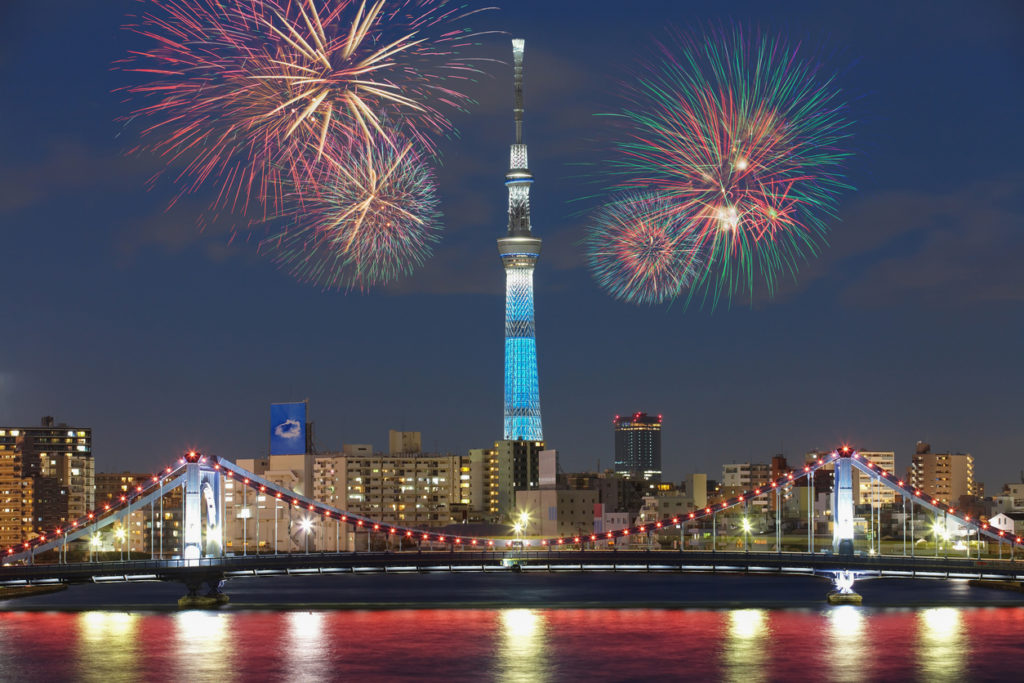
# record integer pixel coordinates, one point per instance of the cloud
(289, 429)
(68, 167)
(930, 248)
(455, 269)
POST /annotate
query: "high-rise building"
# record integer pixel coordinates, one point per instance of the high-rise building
(519, 251)
(638, 446)
(57, 459)
(738, 478)
(484, 492)
(872, 491)
(943, 476)
(518, 470)
(110, 486)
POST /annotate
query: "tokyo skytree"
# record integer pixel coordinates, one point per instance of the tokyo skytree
(519, 251)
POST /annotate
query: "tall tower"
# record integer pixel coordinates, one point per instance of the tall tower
(519, 251)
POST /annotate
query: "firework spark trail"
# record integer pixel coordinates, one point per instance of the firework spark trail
(638, 252)
(248, 93)
(747, 142)
(373, 219)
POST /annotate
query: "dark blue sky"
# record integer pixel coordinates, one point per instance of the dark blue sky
(122, 316)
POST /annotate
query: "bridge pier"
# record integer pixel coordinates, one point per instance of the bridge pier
(213, 598)
(843, 593)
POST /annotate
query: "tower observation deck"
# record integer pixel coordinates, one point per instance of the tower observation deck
(519, 251)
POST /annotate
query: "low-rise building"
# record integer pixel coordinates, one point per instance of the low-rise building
(557, 512)
(1010, 522)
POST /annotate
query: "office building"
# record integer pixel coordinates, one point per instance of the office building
(638, 446)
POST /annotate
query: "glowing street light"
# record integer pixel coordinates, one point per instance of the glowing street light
(119, 533)
(745, 523)
(306, 525)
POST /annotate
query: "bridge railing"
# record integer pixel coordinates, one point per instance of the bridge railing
(171, 478)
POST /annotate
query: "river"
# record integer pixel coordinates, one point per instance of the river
(595, 627)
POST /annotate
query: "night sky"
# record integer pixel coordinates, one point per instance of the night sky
(121, 315)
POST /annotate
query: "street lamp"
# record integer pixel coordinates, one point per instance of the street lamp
(95, 544)
(746, 532)
(936, 533)
(120, 537)
(306, 525)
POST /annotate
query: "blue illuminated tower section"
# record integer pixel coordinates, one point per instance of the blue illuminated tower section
(519, 250)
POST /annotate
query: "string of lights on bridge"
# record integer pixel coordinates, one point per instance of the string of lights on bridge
(361, 523)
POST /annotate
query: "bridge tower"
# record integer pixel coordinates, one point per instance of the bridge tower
(202, 489)
(842, 503)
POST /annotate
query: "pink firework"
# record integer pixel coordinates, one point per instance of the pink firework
(246, 94)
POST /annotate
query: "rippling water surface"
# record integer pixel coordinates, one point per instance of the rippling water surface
(840, 643)
(524, 643)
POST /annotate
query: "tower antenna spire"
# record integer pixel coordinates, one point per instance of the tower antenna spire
(517, 107)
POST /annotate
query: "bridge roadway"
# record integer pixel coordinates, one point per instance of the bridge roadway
(194, 572)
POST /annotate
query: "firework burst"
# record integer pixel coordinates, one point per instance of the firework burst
(248, 93)
(639, 252)
(374, 218)
(746, 141)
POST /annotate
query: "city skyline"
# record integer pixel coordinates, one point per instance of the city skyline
(136, 324)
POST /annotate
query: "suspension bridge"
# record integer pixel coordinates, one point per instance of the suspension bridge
(44, 559)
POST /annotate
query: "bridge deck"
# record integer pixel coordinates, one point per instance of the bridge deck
(555, 560)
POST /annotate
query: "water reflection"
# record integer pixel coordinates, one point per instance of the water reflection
(522, 649)
(941, 644)
(107, 646)
(202, 648)
(847, 646)
(308, 646)
(743, 657)
(842, 643)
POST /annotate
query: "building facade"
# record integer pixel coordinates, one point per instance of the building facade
(638, 446)
(47, 477)
(557, 512)
(407, 443)
(872, 491)
(482, 472)
(943, 476)
(518, 470)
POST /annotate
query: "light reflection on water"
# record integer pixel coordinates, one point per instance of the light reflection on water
(309, 646)
(527, 644)
(107, 645)
(523, 648)
(847, 643)
(941, 644)
(743, 656)
(201, 645)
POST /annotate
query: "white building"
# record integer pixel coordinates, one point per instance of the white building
(1010, 522)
